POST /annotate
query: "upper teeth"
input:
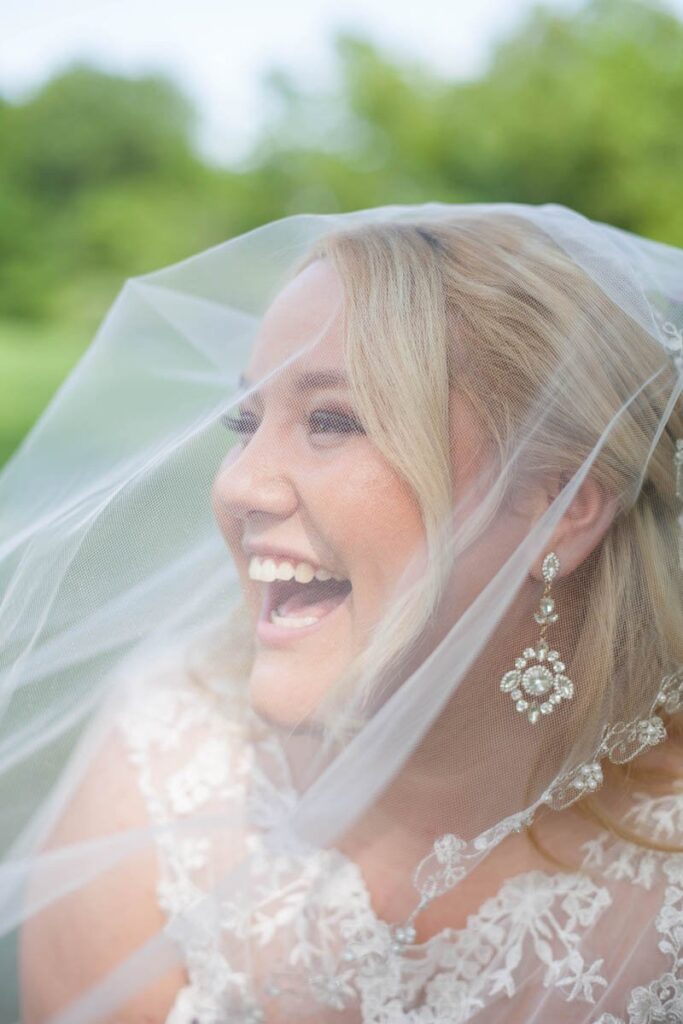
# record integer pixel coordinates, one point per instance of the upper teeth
(267, 570)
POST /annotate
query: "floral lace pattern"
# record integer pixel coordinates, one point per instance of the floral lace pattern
(620, 742)
(533, 914)
(660, 1002)
(307, 912)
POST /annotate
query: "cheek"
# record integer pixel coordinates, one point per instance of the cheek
(375, 522)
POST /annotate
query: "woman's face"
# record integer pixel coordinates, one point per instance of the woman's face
(305, 486)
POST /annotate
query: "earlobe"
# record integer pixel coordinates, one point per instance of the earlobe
(583, 525)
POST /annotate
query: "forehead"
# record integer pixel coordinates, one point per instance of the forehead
(305, 315)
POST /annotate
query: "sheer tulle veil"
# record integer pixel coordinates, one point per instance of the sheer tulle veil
(341, 583)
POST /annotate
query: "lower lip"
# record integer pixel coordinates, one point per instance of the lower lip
(272, 635)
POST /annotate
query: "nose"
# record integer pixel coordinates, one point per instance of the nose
(256, 478)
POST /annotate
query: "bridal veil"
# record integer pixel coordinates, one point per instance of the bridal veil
(360, 535)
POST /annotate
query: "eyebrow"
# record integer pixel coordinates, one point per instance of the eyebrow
(312, 381)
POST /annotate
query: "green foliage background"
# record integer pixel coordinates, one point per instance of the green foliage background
(100, 179)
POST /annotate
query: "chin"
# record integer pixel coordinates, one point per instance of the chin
(288, 689)
(283, 697)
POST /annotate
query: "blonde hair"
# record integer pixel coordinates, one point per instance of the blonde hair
(417, 294)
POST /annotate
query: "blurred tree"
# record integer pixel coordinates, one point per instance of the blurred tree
(86, 129)
(83, 134)
(581, 108)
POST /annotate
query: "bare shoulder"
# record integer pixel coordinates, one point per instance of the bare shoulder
(75, 941)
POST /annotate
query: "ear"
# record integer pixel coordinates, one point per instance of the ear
(582, 526)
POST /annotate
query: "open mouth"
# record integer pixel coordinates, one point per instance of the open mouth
(293, 605)
(297, 597)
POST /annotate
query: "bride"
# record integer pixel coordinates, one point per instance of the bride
(412, 752)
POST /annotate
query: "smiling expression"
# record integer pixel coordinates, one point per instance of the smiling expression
(306, 487)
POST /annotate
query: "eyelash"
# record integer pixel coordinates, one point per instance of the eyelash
(240, 425)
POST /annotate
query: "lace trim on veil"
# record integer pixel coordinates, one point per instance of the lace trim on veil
(444, 866)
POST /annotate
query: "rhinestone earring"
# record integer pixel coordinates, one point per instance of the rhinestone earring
(538, 688)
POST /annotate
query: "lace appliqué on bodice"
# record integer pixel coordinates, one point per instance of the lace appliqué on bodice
(192, 756)
(661, 1001)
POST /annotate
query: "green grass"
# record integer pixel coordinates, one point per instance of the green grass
(34, 360)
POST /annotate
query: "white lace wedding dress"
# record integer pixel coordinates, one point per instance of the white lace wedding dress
(190, 748)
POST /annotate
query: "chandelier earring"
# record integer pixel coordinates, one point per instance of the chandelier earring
(537, 683)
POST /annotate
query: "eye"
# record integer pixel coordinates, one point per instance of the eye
(334, 421)
(245, 423)
(321, 421)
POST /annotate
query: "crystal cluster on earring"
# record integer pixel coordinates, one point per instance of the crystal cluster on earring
(538, 683)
